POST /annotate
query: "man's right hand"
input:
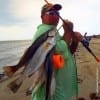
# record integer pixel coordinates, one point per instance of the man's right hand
(67, 25)
(85, 42)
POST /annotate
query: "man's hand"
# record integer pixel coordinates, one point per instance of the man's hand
(67, 25)
(77, 36)
(85, 42)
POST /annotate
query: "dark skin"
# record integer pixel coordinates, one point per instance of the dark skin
(72, 38)
(50, 19)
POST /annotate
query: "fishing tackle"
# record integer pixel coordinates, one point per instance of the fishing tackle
(87, 47)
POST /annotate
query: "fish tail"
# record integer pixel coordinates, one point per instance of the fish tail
(34, 89)
(38, 81)
(15, 84)
(10, 70)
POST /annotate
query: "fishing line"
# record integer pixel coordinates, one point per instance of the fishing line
(59, 28)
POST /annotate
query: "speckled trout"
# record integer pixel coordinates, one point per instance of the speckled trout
(36, 61)
(28, 54)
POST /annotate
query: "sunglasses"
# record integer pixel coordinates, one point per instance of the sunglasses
(52, 13)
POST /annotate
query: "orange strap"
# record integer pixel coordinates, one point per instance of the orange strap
(58, 61)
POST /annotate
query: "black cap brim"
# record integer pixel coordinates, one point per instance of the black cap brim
(56, 7)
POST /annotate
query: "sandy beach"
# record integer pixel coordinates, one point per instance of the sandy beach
(86, 68)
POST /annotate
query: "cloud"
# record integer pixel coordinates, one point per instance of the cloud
(15, 33)
(25, 8)
(9, 29)
(19, 18)
(84, 13)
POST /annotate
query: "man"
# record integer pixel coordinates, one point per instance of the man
(66, 77)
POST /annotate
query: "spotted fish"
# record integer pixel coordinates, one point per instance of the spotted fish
(37, 60)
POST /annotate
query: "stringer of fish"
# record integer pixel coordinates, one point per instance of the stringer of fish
(36, 62)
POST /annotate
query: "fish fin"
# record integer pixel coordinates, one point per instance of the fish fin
(15, 84)
(28, 92)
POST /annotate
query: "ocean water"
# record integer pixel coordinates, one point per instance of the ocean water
(11, 51)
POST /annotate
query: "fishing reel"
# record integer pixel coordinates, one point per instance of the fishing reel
(85, 41)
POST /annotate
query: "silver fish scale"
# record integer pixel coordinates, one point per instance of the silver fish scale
(40, 55)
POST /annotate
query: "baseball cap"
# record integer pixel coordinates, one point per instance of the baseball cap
(50, 7)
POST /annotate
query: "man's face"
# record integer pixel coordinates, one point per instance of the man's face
(50, 18)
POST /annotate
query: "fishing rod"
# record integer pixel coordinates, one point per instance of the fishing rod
(58, 7)
(90, 51)
(84, 37)
(87, 47)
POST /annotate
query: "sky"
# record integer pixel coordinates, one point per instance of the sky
(20, 18)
